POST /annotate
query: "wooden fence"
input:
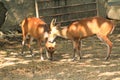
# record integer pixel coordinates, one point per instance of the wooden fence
(66, 11)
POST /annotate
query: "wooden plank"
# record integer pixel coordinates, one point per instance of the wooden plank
(56, 3)
(52, 11)
(67, 6)
(75, 16)
(67, 1)
(44, 0)
(68, 13)
(36, 9)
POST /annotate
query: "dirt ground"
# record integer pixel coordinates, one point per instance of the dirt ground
(92, 66)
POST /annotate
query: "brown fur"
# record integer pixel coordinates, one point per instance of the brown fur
(84, 28)
(50, 47)
(90, 26)
(36, 28)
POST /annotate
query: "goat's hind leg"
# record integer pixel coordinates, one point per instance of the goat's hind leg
(29, 45)
(23, 46)
(108, 43)
(41, 50)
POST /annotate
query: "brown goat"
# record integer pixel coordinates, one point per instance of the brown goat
(34, 28)
(84, 28)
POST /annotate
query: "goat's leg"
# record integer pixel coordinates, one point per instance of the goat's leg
(74, 50)
(23, 45)
(41, 50)
(24, 35)
(47, 54)
(79, 49)
(29, 45)
(51, 56)
(109, 45)
(41, 53)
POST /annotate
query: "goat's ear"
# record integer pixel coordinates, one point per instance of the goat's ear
(58, 25)
(52, 24)
(54, 43)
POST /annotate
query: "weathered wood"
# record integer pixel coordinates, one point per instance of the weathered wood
(36, 9)
(66, 10)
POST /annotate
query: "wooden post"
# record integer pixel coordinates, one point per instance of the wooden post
(36, 9)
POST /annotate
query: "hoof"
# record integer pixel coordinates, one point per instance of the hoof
(42, 59)
(21, 54)
(106, 58)
(50, 59)
(73, 59)
(79, 58)
(32, 55)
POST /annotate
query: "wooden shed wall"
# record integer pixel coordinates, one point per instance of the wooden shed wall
(66, 11)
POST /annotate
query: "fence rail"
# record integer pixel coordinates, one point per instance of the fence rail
(66, 11)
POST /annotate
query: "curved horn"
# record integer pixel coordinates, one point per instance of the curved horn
(52, 23)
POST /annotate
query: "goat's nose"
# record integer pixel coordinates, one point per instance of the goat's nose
(51, 48)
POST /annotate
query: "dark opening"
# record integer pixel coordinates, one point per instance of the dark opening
(3, 12)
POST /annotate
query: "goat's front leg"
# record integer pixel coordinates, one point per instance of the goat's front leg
(76, 47)
(23, 45)
(49, 55)
(41, 50)
(74, 50)
(41, 53)
(79, 49)
(29, 45)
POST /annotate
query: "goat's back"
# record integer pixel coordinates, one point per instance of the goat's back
(34, 27)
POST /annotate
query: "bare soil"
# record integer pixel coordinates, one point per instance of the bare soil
(92, 66)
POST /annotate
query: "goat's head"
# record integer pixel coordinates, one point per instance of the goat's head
(54, 30)
(50, 47)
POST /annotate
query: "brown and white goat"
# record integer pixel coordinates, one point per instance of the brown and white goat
(84, 28)
(50, 49)
(35, 28)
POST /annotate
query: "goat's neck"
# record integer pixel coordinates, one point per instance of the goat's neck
(45, 35)
(63, 32)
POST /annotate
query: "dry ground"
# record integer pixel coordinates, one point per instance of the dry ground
(92, 66)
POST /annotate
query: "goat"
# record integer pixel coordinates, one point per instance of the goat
(84, 28)
(50, 49)
(35, 28)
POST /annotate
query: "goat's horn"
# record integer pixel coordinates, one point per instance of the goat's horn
(52, 23)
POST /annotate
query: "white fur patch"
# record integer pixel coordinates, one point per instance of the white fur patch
(45, 35)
